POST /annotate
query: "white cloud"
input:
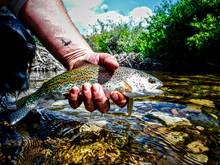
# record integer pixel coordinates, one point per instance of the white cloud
(108, 17)
(140, 13)
(84, 14)
(113, 16)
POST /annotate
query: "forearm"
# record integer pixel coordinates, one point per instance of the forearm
(50, 22)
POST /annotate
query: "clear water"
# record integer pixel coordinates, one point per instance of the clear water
(179, 127)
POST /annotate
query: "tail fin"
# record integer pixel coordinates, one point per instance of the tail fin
(18, 115)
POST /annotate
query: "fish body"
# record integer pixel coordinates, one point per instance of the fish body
(132, 83)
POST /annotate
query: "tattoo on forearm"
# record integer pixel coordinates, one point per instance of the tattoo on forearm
(65, 42)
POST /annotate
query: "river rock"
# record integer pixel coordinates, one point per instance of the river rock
(197, 147)
(203, 102)
(176, 137)
(170, 120)
(199, 157)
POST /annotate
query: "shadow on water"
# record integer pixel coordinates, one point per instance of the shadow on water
(179, 127)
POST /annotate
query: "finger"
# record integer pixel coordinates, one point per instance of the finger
(74, 98)
(87, 97)
(100, 100)
(118, 98)
(108, 61)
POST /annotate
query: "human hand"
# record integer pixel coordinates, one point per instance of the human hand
(93, 95)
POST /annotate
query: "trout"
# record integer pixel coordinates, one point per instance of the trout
(130, 82)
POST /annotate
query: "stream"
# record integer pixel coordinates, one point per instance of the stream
(181, 126)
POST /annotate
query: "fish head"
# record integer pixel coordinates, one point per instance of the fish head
(141, 84)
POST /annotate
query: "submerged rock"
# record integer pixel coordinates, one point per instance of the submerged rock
(155, 133)
(170, 120)
(203, 102)
(199, 157)
(197, 147)
(176, 137)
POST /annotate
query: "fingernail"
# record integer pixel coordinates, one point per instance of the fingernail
(96, 88)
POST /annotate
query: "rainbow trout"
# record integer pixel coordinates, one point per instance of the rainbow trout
(132, 83)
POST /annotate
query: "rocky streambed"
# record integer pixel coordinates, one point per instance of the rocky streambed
(179, 127)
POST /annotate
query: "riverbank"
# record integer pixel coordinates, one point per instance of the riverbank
(44, 61)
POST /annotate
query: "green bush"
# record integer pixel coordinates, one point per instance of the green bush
(184, 34)
(120, 38)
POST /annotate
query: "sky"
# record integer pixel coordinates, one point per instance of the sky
(85, 13)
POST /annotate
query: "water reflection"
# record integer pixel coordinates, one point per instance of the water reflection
(201, 92)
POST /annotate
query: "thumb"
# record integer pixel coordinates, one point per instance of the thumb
(107, 61)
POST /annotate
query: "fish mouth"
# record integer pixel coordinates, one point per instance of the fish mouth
(150, 90)
(154, 92)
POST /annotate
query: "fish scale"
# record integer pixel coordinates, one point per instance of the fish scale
(130, 82)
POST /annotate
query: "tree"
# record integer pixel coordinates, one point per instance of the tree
(182, 35)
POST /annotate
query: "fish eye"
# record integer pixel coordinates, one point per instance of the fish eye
(151, 80)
